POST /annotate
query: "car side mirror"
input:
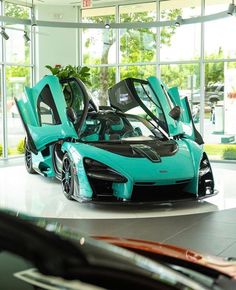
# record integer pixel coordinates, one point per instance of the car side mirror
(71, 114)
(175, 113)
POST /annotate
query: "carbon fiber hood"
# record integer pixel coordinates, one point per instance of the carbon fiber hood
(124, 148)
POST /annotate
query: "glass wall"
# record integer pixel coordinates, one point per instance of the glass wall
(184, 42)
(101, 79)
(187, 78)
(17, 77)
(137, 71)
(17, 67)
(98, 44)
(137, 45)
(194, 57)
(219, 34)
(220, 108)
(1, 115)
(220, 81)
(99, 48)
(113, 54)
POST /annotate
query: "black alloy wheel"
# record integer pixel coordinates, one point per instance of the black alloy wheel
(205, 178)
(28, 160)
(67, 177)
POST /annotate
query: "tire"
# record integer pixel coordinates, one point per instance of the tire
(67, 177)
(205, 179)
(28, 160)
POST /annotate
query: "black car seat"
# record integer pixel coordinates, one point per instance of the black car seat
(115, 127)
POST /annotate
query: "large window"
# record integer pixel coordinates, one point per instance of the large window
(101, 79)
(187, 78)
(220, 81)
(183, 42)
(98, 45)
(138, 45)
(177, 54)
(17, 68)
(1, 116)
(137, 71)
(17, 78)
(220, 108)
(220, 44)
(17, 49)
(202, 65)
(99, 48)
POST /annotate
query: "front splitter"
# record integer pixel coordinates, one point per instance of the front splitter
(114, 201)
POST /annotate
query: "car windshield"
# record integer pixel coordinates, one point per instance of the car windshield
(112, 126)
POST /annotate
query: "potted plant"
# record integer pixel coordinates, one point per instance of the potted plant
(68, 71)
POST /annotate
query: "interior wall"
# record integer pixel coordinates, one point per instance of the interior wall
(55, 45)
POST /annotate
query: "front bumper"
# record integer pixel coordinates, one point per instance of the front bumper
(112, 200)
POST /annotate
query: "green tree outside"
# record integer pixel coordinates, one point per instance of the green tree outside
(17, 11)
(135, 46)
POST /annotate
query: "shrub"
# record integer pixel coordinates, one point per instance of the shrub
(229, 152)
(21, 146)
(1, 150)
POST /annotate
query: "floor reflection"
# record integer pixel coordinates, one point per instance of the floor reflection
(39, 196)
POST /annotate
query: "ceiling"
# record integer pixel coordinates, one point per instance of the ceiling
(102, 3)
(73, 2)
(77, 2)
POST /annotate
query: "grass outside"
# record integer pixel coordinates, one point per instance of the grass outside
(221, 151)
(14, 151)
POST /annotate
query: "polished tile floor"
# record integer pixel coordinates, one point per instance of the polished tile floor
(40, 196)
(212, 233)
(207, 226)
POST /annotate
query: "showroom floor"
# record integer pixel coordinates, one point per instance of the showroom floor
(208, 226)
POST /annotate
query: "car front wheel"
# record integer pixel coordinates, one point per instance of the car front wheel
(67, 177)
(28, 160)
(205, 178)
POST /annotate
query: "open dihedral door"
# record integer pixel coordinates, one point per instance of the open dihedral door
(137, 94)
(185, 124)
(157, 101)
(43, 113)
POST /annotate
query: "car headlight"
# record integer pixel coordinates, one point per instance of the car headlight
(98, 170)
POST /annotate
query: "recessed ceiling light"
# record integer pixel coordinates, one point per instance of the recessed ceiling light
(178, 21)
(26, 37)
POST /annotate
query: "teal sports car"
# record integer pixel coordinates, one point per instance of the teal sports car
(143, 147)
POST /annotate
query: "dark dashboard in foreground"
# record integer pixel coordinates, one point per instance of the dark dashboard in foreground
(49, 256)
